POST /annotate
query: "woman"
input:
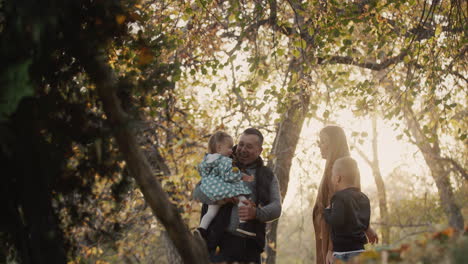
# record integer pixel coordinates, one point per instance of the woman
(333, 145)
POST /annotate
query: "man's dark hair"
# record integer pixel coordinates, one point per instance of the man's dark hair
(254, 131)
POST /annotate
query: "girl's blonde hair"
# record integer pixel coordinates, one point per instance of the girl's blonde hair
(215, 139)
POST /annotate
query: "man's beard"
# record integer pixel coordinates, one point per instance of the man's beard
(241, 158)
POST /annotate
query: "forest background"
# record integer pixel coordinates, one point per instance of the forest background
(106, 108)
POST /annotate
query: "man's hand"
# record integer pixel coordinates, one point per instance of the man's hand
(247, 178)
(372, 236)
(233, 200)
(247, 211)
(330, 258)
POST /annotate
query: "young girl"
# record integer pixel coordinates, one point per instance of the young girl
(220, 179)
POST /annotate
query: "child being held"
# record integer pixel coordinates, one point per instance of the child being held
(348, 213)
(220, 179)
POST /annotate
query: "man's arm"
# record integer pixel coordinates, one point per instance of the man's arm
(272, 210)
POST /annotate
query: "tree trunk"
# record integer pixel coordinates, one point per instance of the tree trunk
(172, 255)
(282, 153)
(159, 165)
(439, 168)
(190, 250)
(29, 216)
(379, 182)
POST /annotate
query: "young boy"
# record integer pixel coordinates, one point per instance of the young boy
(349, 211)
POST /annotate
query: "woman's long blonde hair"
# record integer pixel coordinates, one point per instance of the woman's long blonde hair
(337, 148)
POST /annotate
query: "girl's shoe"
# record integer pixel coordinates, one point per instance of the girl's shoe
(246, 229)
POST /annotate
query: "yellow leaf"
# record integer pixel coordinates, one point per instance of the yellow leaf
(120, 19)
(145, 56)
(369, 255)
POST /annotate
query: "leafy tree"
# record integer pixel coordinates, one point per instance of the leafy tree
(60, 52)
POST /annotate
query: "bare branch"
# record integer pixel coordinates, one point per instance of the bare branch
(368, 65)
(363, 155)
(246, 34)
(459, 75)
(456, 166)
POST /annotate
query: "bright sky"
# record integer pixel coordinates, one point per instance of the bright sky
(392, 153)
(307, 168)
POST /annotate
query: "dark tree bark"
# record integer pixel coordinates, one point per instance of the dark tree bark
(159, 166)
(30, 219)
(190, 250)
(284, 147)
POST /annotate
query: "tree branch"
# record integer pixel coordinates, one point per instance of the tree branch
(457, 74)
(363, 155)
(456, 166)
(246, 33)
(368, 65)
(102, 75)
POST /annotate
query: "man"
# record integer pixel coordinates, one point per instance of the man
(225, 243)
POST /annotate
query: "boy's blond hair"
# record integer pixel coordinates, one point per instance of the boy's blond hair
(347, 167)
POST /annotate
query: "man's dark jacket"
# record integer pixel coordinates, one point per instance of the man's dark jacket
(217, 228)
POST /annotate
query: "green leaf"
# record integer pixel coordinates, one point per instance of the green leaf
(326, 114)
(15, 86)
(347, 42)
(463, 137)
(296, 53)
(280, 52)
(407, 59)
(300, 44)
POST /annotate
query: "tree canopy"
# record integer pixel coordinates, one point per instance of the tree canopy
(105, 108)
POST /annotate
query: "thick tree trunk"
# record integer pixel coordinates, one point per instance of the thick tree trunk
(159, 165)
(172, 255)
(106, 82)
(282, 153)
(439, 168)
